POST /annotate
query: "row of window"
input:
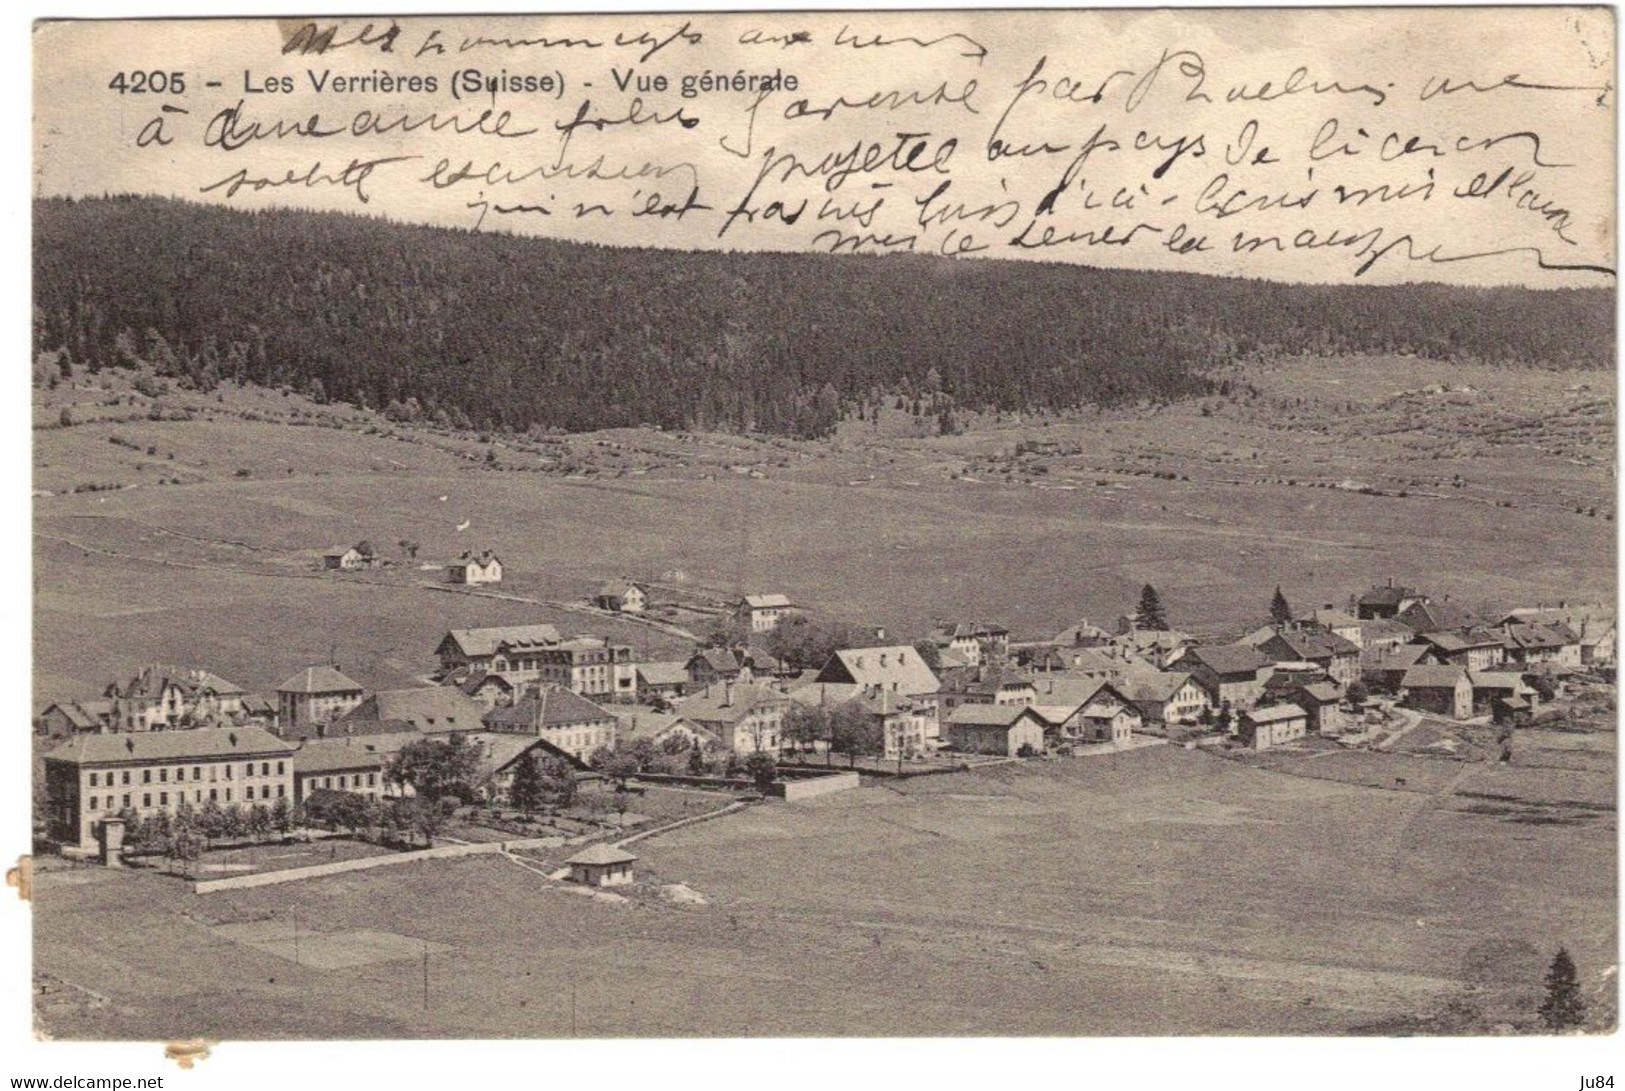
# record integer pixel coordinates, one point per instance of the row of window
(351, 781)
(180, 773)
(114, 803)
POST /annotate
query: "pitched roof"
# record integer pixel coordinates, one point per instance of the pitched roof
(1429, 676)
(669, 673)
(1460, 641)
(1326, 693)
(1075, 692)
(1392, 659)
(155, 746)
(1553, 635)
(349, 752)
(1156, 685)
(1495, 680)
(988, 681)
(767, 602)
(602, 853)
(617, 588)
(477, 681)
(1330, 617)
(483, 642)
(1387, 595)
(320, 679)
(1080, 631)
(427, 708)
(720, 660)
(728, 703)
(342, 727)
(1275, 713)
(824, 693)
(1427, 617)
(978, 714)
(1228, 658)
(548, 707)
(894, 666)
(1312, 644)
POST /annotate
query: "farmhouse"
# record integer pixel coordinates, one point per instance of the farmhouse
(1474, 649)
(1552, 642)
(566, 720)
(895, 668)
(66, 718)
(347, 559)
(762, 613)
(316, 695)
(904, 728)
(1320, 701)
(710, 665)
(90, 778)
(983, 685)
(1386, 601)
(621, 597)
(478, 649)
(1168, 697)
(1330, 619)
(743, 716)
(1162, 648)
(1233, 674)
(500, 753)
(1592, 624)
(1440, 689)
(662, 680)
(601, 865)
(1490, 687)
(1436, 616)
(978, 642)
(1337, 657)
(1077, 711)
(1007, 730)
(1383, 667)
(1083, 634)
(471, 569)
(1262, 728)
(432, 710)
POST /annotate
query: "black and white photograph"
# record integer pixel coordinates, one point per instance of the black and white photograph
(920, 524)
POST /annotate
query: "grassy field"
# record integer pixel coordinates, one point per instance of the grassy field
(1160, 891)
(1034, 522)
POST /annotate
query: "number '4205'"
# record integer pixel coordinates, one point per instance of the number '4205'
(148, 83)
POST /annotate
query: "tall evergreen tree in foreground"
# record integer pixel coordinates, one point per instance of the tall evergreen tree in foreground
(1149, 614)
(525, 791)
(1280, 609)
(1563, 1009)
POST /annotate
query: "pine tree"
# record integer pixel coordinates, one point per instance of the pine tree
(1149, 615)
(1563, 1009)
(1280, 610)
(525, 792)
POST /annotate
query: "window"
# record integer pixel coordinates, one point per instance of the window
(265, 769)
(228, 772)
(126, 799)
(228, 795)
(197, 772)
(92, 803)
(248, 769)
(146, 799)
(372, 779)
(214, 795)
(248, 793)
(146, 776)
(125, 778)
(281, 790)
(163, 799)
(279, 771)
(163, 776)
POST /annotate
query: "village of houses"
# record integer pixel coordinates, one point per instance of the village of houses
(737, 720)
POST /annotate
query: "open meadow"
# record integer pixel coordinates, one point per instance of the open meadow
(1158, 887)
(196, 537)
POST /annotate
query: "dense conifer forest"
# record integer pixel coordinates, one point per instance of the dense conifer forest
(498, 331)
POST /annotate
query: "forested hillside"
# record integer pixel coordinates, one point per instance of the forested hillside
(501, 331)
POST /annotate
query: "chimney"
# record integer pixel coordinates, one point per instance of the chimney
(727, 694)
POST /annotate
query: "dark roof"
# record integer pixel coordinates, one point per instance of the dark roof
(1156, 685)
(728, 703)
(1228, 658)
(985, 715)
(474, 682)
(155, 746)
(602, 854)
(1387, 595)
(1429, 617)
(663, 674)
(1314, 644)
(720, 660)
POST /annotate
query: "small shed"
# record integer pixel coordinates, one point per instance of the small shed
(601, 865)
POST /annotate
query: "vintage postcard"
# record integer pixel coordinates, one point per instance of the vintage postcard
(852, 524)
